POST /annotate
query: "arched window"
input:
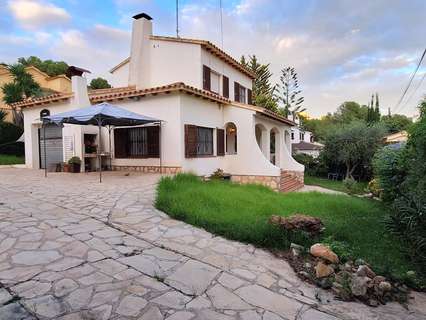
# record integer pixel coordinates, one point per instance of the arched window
(44, 113)
(231, 138)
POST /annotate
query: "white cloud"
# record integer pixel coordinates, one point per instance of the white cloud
(33, 14)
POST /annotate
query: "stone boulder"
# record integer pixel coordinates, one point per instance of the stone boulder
(300, 222)
(323, 270)
(321, 251)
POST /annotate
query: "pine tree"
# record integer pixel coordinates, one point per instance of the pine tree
(377, 109)
(289, 93)
(263, 91)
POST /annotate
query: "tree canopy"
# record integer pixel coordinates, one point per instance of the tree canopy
(289, 93)
(99, 83)
(263, 91)
(52, 68)
(353, 145)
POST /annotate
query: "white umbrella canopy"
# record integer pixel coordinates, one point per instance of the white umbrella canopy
(102, 115)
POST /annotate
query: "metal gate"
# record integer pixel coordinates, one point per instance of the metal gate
(54, 148)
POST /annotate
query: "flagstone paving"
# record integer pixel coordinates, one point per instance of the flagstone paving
(71, 248)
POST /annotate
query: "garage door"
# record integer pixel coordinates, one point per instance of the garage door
(54, 149)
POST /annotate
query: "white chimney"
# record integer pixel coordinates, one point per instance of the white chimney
(139, 69)
(79, 87)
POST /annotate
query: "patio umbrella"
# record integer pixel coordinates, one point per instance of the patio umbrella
(102, 115)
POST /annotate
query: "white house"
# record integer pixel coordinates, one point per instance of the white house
(203, 97)
(302, 141)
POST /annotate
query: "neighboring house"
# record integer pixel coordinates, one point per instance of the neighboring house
(203, 97)
(59, 83)
(302, 141)
(398, 137)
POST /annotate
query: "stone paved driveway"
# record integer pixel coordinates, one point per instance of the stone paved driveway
(71, 248)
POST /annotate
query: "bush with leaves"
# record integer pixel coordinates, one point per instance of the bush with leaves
(353, 146)
(9, 132)
(316, 167)
(409, 220)
(389, 171)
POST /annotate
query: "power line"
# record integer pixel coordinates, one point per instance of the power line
(221, 23)
(415, 90)
(410, 82)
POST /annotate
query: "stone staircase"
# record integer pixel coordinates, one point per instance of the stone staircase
(291, 181)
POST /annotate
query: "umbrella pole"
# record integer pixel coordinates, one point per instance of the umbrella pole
(99, 151)
(44, 147)
(110, 154)
(159, 148)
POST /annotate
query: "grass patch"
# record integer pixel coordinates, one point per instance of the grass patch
(241, 212)
(335, 185)
(11, 159)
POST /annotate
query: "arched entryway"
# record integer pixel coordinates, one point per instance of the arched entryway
(231, 138)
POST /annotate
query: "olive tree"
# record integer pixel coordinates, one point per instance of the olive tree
(353, 145)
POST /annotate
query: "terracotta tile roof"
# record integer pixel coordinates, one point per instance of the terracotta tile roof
(31, 102)
(307, 146)
(206, 45)
(276, 116)
(129, 92)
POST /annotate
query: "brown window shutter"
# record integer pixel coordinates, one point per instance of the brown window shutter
(206, 78)
(236, 91)
(153, 141)
(120, 143)
(249, 97)
(220, 136)
(190, 141)
(225, 86)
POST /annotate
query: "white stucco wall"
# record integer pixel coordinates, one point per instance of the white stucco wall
(120, 77)
(223, 68)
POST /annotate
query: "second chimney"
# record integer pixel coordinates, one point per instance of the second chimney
(139, 68)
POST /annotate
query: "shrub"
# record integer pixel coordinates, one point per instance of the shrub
(15, 148)
(374, 187)
(74, 160)
(313, 166)
(388, 169)
(9, 132)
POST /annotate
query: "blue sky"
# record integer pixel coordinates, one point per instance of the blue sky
(342, 50)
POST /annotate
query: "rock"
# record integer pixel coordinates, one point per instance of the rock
(304, 274)
(322, 270)
(324, 252)
(296, 249)
(378, 279)
(301, 222)
(359, 285)
(385, 286)
(365, 271)
(359, 262)
(373, 303)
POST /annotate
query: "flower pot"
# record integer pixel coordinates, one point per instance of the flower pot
(75, 167)
(66, 167)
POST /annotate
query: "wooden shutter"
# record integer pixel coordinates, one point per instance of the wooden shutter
(206, 78)
(220, 139)
(120, 143)
(225, 87)
(249, 97)
(190, 141)
(236, 91)
(153, 141)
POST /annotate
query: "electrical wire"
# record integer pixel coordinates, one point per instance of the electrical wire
(410, 82)
(414, 92)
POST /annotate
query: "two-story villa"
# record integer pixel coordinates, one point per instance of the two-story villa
(203, 97)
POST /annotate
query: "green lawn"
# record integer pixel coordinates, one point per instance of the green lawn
(334, 185)
(10, 159)
(241, 212)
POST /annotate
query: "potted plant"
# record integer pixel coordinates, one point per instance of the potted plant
(75, 164)
(65, 167)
